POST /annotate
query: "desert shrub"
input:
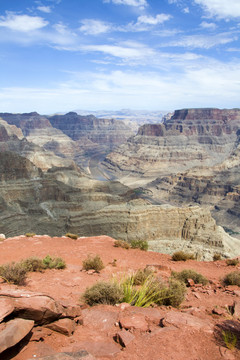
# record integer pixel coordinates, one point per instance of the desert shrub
(232, 262)
(121, 243)
(141, 275)
(175, 293)
(139, 244)
(30, 234)
(93, 263)
(72, 236)
(233, 278)
(182, 256)
(217, 257)
(103, 293)
(230, 339)
(184, 275)
(14, 273)
(33, 264)
(53, 263)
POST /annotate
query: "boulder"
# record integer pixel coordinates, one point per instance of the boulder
(63, 326)
(124, 338)
(179, 320)
(14, 331)
(2, 237)
(6, 308)
(134, 321)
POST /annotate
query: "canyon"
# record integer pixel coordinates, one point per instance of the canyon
(174, 184)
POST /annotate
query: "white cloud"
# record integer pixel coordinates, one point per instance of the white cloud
(45, 9)
(150, 20)
(221, 8)
(206, 25)
(186, 10)
(137, 3)
(23, 23)
(204, 42)
(94, 27)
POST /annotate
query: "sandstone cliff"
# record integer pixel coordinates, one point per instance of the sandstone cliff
(191, 137)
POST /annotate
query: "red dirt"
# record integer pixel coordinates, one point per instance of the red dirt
(157, 344)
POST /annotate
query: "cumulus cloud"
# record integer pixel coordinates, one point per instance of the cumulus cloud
(137, 3)
(45, 9)
(206, 25)
(221, 8)
(22, 23)
(94, 27)
(150, 20)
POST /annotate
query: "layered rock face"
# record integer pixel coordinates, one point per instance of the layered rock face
(191, 137)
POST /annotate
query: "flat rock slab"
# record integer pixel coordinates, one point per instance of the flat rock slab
(6, 308)
(105, 349)
(179, 319)
(63, 326)
(15, 330)
(84, 355)
(134, 321)
(100, 317)
(124, 337)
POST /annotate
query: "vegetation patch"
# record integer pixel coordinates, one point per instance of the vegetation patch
(93, 263)
(103, 293)
(53, 263)
(13, 273)
(230, 339)
(33, 264)
(121, 243)
(141, 275)
(232, 262)
(72, 236)
(217, 257)
(184, 275)
(233, 278)
(139, 244)
(182, 256)
(30, 234)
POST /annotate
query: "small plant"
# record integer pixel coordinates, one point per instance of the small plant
(14, 273)
(72, 236)
(184, 275)
(182, 256)
(93, 263)
(139, 244)
(233, 278)
(217, 257)
(30, 234)
(229, 339)
(53, 263)
(121, 243)
(175, 293)
(141, 275)
(103, 293)
(232, 262)
(33, 264)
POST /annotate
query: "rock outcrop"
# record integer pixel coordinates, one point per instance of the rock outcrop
(191, 137)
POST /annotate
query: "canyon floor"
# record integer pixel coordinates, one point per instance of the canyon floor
(193, 332)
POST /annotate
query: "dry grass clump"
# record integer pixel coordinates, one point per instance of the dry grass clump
(141, 275)
(184, 275)
(139, 244)
(233, 278)
(33, 264)
(121, 243)
(217, 257)
(93, 263)
(232, 262)
(30, 234)
(72, 236)
(182, 256)
(103, 293)
(53, 263)
(14, 273)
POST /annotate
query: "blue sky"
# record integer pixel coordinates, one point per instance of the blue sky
(61, 55)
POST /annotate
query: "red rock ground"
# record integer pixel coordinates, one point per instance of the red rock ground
(175, 341)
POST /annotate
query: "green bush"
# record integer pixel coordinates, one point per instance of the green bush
(14, 273)
(103, 293)
(175, 293)
(233, 278)
(93, 263)
(30, 234)
(217, 257)
(184, 275)
(141, 275)
(53, 263)
(121, 243)
(232, 262)
(72, 236)
(182, 256)
(139, 244)
(33, 264)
